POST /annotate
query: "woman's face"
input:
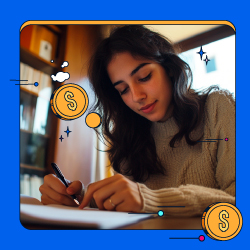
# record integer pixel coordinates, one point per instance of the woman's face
(143, 85)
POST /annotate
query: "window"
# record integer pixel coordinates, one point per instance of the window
(219, 70)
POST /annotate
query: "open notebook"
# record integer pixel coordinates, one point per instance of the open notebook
(32, 211)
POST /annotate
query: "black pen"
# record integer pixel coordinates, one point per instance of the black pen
(61, 177)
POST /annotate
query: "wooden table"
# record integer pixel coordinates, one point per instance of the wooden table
(152, 223)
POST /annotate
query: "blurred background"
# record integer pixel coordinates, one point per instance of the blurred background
(44, 48)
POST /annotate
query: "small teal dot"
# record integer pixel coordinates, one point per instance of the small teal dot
(160, 213)
(36, 84)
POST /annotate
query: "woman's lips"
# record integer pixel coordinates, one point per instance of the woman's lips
(148, 108)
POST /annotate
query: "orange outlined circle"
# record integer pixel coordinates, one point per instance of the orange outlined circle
(93, 120)
(69, 101)
(222, 221)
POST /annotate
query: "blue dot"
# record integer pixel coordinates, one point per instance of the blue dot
(36, 84)
(160, 213)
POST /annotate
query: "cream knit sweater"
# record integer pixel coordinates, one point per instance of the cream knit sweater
(199, 175)
(196, 176)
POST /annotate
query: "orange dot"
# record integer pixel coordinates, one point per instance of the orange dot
(93, 120)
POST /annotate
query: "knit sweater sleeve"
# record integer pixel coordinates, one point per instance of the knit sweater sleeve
(189, 199)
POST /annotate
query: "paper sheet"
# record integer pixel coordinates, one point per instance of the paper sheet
(73, 216)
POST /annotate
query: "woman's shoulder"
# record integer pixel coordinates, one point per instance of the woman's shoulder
(220, 97)
(220, 104)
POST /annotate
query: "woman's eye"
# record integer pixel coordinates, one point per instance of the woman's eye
(145, 78)
(124, 91)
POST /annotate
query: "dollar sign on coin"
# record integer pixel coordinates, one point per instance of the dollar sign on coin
(221, 225)
(69, 101)
(221, 221)
(68, 95)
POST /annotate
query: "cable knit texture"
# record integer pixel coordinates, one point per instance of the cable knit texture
(196, 176)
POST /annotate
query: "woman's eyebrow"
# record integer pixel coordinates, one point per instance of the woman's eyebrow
(133, 72)
(137, 68)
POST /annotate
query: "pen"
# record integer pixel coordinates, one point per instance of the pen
(61, 177)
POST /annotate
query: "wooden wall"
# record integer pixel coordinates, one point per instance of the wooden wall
(74, 154)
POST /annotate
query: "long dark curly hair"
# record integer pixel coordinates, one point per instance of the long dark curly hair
(127, 133)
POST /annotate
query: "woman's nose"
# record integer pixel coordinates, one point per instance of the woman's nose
(138, 93)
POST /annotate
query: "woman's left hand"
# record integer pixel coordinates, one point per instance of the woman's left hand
(114, 193)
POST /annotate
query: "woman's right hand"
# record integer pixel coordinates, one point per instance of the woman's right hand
(54, 191)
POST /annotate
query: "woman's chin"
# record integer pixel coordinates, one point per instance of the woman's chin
(155, 118)
(158, 117)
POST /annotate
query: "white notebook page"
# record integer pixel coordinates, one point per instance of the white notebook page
(36, 213)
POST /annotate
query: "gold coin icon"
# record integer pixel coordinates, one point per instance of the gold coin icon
(69, 101)
(221, 221)
(93, 120)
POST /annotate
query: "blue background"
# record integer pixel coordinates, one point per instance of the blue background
(13, 15)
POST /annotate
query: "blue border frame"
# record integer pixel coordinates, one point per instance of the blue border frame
(14, 14)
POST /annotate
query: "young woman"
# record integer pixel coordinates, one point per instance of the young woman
(157, 128)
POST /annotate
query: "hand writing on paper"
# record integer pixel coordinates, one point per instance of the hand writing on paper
(54, 191)
(114, 193)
